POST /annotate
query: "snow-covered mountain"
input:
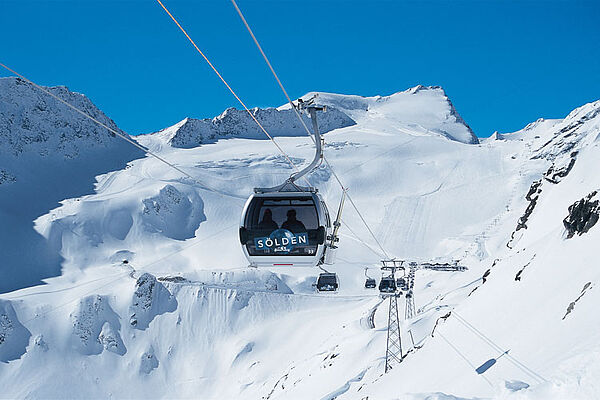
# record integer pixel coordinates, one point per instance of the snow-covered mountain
(421, 108)
(48, 153)
(153, 298)
(237, 123)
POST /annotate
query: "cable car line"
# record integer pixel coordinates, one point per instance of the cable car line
(367, 225)
(227, 85)
(304, 124)
(464, 358)
(379, 155)
(260, 125)
(355, 237)
(499, 349)
(120, 135)
(270, 66)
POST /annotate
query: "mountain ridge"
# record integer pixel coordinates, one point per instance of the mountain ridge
(151, 293)
(343, 110)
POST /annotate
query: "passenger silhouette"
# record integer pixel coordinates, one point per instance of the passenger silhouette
(292, 224)
(267, 222)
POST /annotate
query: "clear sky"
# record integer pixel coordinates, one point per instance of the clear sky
(502, 63)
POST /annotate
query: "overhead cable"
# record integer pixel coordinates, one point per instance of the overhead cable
(303, 123)
(119, 134)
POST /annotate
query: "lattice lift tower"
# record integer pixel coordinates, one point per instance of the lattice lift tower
(393, 352)
(410, 310)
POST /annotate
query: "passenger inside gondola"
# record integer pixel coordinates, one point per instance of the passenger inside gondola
(292, 224)
(267, 222)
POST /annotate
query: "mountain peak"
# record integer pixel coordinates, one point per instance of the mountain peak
(419, 88)
(426, 109)
(234, 123)
(33, 121)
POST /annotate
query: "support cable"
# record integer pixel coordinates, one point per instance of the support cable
(355, 237)
(303, 123)
(464, 358)
(227, 84)
(496, 347)
(119, 134)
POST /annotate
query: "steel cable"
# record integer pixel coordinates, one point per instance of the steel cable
(120, 135)
(303, 123)
(496, 347)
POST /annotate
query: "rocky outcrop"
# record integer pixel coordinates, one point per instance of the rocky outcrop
(572, 304)
(151, 298)
(148, 361)
(31, 121)
(532, 197)
(48, 153)
(173, 213)
(555, 175)
(96, 327)
(583, 215)
(233, 123)
(14, 337)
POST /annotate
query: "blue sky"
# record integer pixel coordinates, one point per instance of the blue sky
(503, 64)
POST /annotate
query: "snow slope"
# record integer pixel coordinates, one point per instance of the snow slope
(47, 153)
(154, 298)
(421, 108)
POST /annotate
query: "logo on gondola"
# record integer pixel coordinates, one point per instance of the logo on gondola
(281, 241)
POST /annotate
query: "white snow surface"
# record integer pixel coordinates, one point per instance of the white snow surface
(48, 153)
(153, 297)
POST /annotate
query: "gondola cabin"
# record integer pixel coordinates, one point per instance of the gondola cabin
(370, 283)
(327, 282)
(387, 285)
(285, 229)
(402, 283)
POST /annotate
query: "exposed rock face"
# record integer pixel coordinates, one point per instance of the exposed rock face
(460, 120)
(554, 175)
(96, 327)
(173, 213)
(572, 304)
(148, 361)
(48, 153)
(151, 298)
(14, 337)
(532, 197)
(583, 215)
(238, 123)
(33, 121)
(569, 136)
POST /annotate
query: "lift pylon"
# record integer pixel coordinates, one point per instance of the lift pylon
(410, 310)
(393, 351)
